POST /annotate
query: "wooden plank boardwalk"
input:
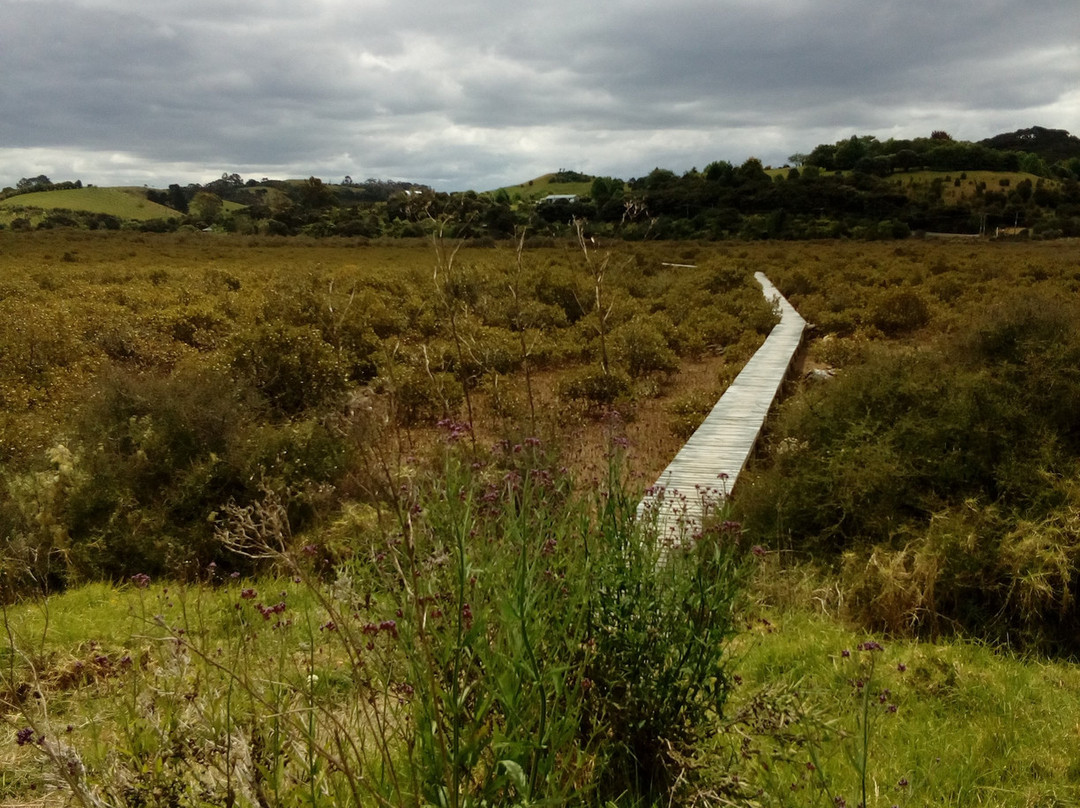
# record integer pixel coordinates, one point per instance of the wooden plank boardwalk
(706, 469)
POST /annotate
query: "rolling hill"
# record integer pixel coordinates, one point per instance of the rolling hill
(545, 185)
(125, 203)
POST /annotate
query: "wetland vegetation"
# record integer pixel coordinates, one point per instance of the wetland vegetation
(293, 521)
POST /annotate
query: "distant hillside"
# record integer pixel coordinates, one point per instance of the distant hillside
(124, 203)
(953, 187)
(560, 182)
(1052, 145)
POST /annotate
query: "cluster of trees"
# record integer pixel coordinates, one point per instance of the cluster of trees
(29, 185)
(1015, 152)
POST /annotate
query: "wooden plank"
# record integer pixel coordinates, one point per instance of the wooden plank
(707, 468)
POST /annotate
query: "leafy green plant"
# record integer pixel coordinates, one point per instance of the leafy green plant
(660, 620)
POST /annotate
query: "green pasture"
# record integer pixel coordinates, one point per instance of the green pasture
(125, 203)
(959, 185)
(536, 189)
(955, 185)
(946, 723)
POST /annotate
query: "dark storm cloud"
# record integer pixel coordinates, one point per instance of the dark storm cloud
(476, 94)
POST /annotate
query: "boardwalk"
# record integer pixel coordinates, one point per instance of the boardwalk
(707, 467)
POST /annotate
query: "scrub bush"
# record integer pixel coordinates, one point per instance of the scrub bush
(940, 480)
(642, 348)
(597, 389)
(293, 368)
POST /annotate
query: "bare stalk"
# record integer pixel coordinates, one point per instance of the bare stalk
(515, 288)
(597, 270)
(444, 265)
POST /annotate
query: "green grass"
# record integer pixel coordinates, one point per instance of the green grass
(126, 203)
(540, 187)
(972, 726)
(469, 664)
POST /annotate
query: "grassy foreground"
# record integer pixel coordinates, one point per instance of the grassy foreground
(946, 724)
(952, 723)
(496, 636)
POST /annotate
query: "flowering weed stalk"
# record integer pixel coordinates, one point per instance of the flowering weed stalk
(871, 704)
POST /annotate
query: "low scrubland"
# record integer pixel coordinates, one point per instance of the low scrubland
(936, 474)
(292, 523)
(146, 382)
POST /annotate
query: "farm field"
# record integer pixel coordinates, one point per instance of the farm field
(540, 187)
(959, 185)
(326, 475)
(124, 203)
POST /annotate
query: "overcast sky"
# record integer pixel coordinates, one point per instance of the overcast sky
(482, 93)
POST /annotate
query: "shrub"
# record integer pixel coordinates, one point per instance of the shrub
(152, 459)
(1029, 325)
(688, 412)
(900, 311)
(420, 396)
(725, 278)
(642, 348)
(558, 287)
(659, 621)
(596, 388)
(196, 327)
(552, 651)
(292, 367)
(149, 460)
(947, 485)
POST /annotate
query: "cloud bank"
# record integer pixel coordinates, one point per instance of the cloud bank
(479, 93)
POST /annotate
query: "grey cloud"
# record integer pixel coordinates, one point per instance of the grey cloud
(466, 93)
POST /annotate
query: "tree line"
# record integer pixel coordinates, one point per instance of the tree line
(859, 187)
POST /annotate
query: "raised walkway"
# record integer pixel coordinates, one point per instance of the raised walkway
(706, 469)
